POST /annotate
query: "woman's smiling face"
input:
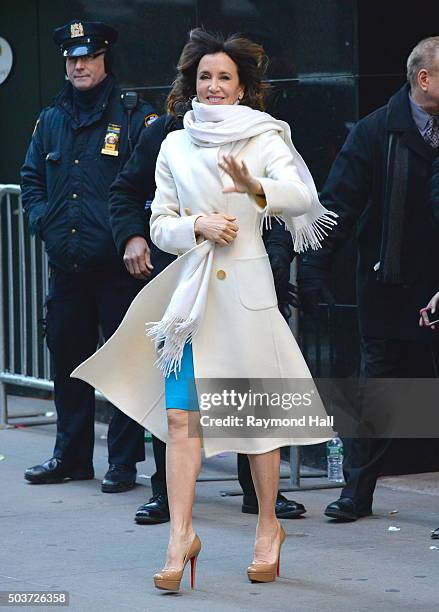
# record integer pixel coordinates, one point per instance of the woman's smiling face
(218, 80)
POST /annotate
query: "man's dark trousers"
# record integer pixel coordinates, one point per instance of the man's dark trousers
(382, 358)
(79, 306)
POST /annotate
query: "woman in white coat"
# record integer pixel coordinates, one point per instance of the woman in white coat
(231, 168)
(213, 183)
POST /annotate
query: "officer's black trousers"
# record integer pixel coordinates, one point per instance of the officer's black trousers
(79, 305)
(158, 479)
(382, 358)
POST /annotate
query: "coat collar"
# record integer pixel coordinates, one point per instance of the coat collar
(65, 101)
(400, 119)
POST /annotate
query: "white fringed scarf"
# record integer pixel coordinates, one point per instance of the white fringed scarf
(228, 127)
(186, 308)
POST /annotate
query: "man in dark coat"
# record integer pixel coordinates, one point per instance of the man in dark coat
(432, 307)
(128, 194)
(380, 183)
(78, 146)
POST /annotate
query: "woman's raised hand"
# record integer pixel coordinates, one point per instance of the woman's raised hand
(219, 228)
(243, 181)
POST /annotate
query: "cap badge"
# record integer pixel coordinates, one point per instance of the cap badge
(76, 29)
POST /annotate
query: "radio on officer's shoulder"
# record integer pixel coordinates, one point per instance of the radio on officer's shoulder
(130, 100)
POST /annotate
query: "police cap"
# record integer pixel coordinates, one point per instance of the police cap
(84, 37)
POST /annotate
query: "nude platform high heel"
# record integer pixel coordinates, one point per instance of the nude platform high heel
(170, 579)
(267, 572)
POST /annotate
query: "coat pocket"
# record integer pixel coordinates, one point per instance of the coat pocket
(255, 283)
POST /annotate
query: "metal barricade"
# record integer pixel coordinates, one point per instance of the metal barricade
(24, 278)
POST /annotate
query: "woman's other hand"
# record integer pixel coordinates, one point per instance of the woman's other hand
(219, 228)
(243, 181)
(432, 306)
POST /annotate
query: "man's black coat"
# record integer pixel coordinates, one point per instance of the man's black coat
(135, 185)
(355, 190)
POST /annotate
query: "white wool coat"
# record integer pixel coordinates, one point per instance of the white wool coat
(242, 333)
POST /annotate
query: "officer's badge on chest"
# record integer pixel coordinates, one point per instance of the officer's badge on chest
(111, 140)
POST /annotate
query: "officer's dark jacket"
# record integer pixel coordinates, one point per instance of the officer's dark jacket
(65, 178)
(136, 183)
(355, 190)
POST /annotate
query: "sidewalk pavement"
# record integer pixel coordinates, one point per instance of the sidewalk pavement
(74, 538)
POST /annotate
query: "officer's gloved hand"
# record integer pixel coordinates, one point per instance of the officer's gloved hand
(311, 292)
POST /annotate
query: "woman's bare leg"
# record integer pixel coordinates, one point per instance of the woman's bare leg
(183, 464)
(265, 474)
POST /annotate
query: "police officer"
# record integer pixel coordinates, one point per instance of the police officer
(78, 146)
(127, 196)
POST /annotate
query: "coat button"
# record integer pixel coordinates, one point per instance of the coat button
(74, 196)
(187, 211)
(76, 161)
(73, 231)
(221, 275)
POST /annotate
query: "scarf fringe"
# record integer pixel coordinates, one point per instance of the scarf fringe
(312, 236)
(308, 236)
(170, 337)
(265, 222)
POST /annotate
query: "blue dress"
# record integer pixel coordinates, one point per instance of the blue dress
(181, 392)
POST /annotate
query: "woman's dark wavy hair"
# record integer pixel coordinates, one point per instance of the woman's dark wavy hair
(249, 57)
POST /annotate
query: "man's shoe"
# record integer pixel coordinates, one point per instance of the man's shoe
(119, 478)
(155, 511)
(435, 534)
(53, 470)
(285, 508)
(344, 509)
